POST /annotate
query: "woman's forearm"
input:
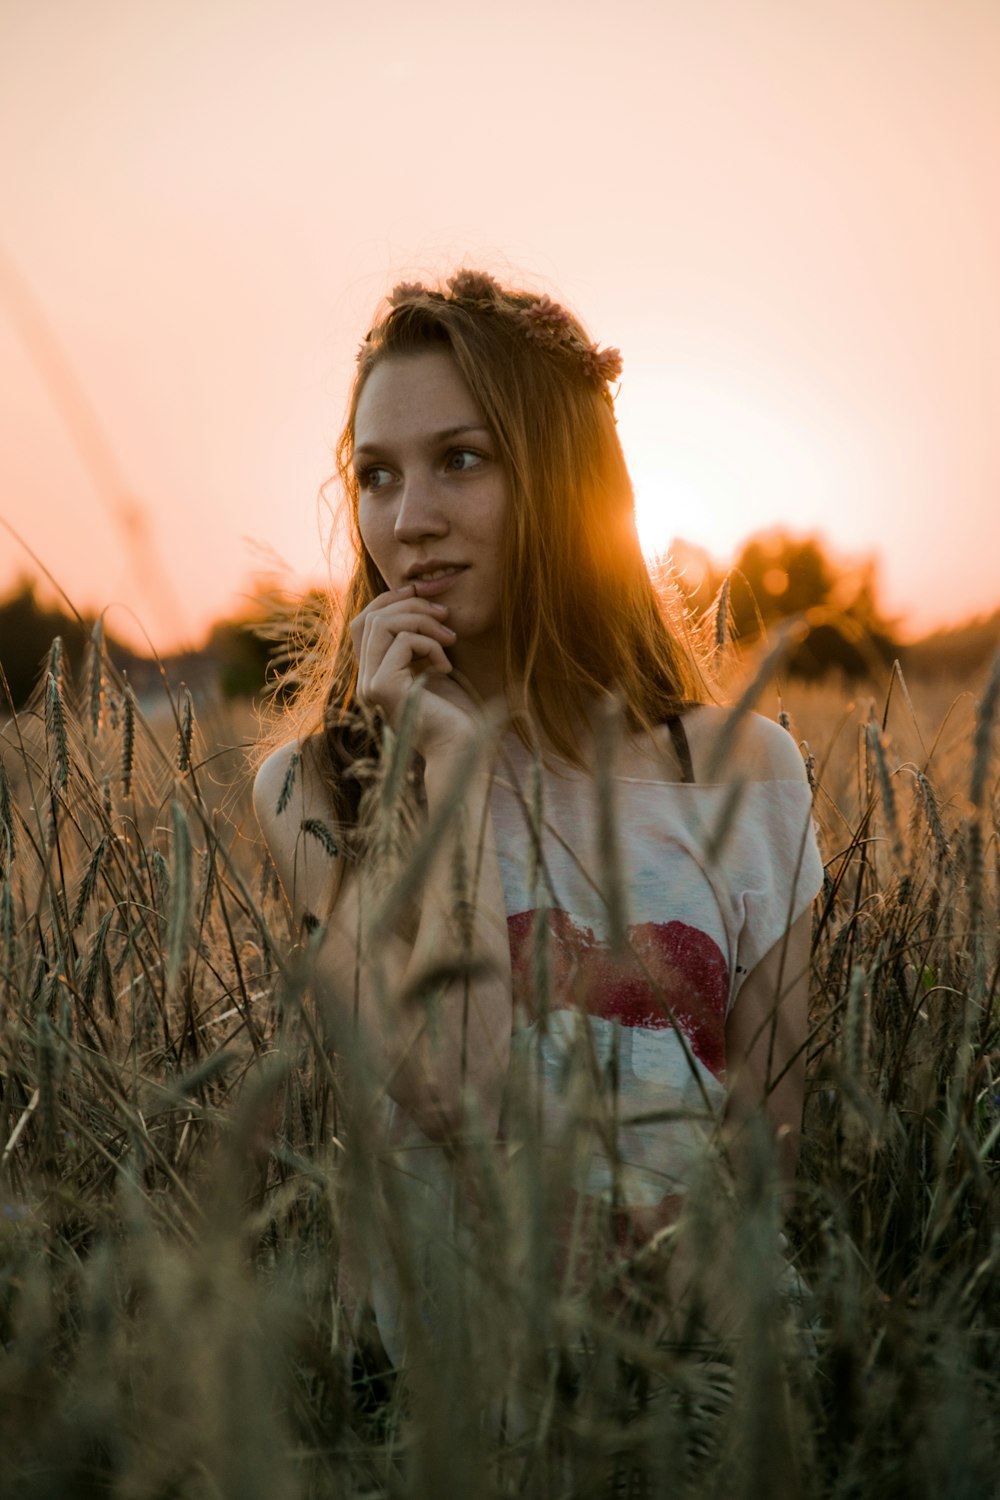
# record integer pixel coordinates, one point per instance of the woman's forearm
(433, 1006)
(458, 972)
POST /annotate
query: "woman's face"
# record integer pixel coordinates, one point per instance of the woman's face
(432, 494)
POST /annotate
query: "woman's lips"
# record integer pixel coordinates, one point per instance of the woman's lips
(429, 588)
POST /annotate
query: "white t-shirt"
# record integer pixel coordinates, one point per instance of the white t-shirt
(710, 878)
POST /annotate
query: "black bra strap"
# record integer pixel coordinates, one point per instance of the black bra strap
(681, 746)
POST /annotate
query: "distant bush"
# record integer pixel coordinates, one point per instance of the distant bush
(27, 629)
(776, 576)
(233, 662)
(241, 658)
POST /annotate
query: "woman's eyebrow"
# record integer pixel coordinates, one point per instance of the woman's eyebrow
(433, 438)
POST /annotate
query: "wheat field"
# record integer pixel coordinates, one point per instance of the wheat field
(182, 1180)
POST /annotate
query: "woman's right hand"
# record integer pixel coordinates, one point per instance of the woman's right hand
(397, 639)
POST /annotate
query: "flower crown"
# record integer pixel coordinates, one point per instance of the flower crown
(540, 319)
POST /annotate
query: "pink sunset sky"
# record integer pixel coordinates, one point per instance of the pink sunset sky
(785, 214)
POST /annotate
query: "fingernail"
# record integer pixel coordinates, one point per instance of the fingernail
(448, 631)
(440, 609)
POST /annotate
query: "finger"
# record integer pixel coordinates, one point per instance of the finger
(377, 646)
(391, 596)
(384, 627)
(390, 605)
(379, 603)
(394, 597)
(378, 633)
(411, 647)
(410, 655)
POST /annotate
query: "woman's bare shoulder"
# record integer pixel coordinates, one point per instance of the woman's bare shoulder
(293, 808)
(754, 748)
(288, 781)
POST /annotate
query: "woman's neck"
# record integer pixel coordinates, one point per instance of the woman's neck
(479, 669)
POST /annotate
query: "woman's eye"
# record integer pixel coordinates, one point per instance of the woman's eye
(463, 458)
(373, 478)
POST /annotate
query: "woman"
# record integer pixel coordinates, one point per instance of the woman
(618, 874)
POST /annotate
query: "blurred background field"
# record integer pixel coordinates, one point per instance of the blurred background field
(179, 1166)
(784, 216)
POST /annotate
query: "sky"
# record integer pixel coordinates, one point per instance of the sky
(785, 213)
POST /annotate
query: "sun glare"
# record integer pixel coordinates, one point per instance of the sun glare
(713, 466)
(660, 507)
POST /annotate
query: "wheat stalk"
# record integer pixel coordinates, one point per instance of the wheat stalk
(179, 907)
(128, 739)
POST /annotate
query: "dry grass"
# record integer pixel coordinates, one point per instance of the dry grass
(178, 1168)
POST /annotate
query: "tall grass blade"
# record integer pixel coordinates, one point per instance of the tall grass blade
(128, 739)
(607, 737)
(88, 884)
(98, 970)
(55, 724)
(288, 784)
(95, 677)
(932, 812)
(179, 910)
(983, 736)
(8, 928)
(185, 732)
(317, 830)
(8, 837)
(721, 620)
(886, 791)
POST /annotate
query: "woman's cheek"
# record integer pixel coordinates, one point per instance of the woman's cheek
(374, 540)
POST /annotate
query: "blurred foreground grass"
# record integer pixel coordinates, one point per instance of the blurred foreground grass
(181, 1178)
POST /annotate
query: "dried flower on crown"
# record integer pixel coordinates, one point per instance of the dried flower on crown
(546, 322)
(474, 286)
(406, 291)
(601, 364)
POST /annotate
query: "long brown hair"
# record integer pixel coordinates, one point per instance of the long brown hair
(595, 622)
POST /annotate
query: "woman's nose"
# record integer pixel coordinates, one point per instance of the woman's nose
(420, 513)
